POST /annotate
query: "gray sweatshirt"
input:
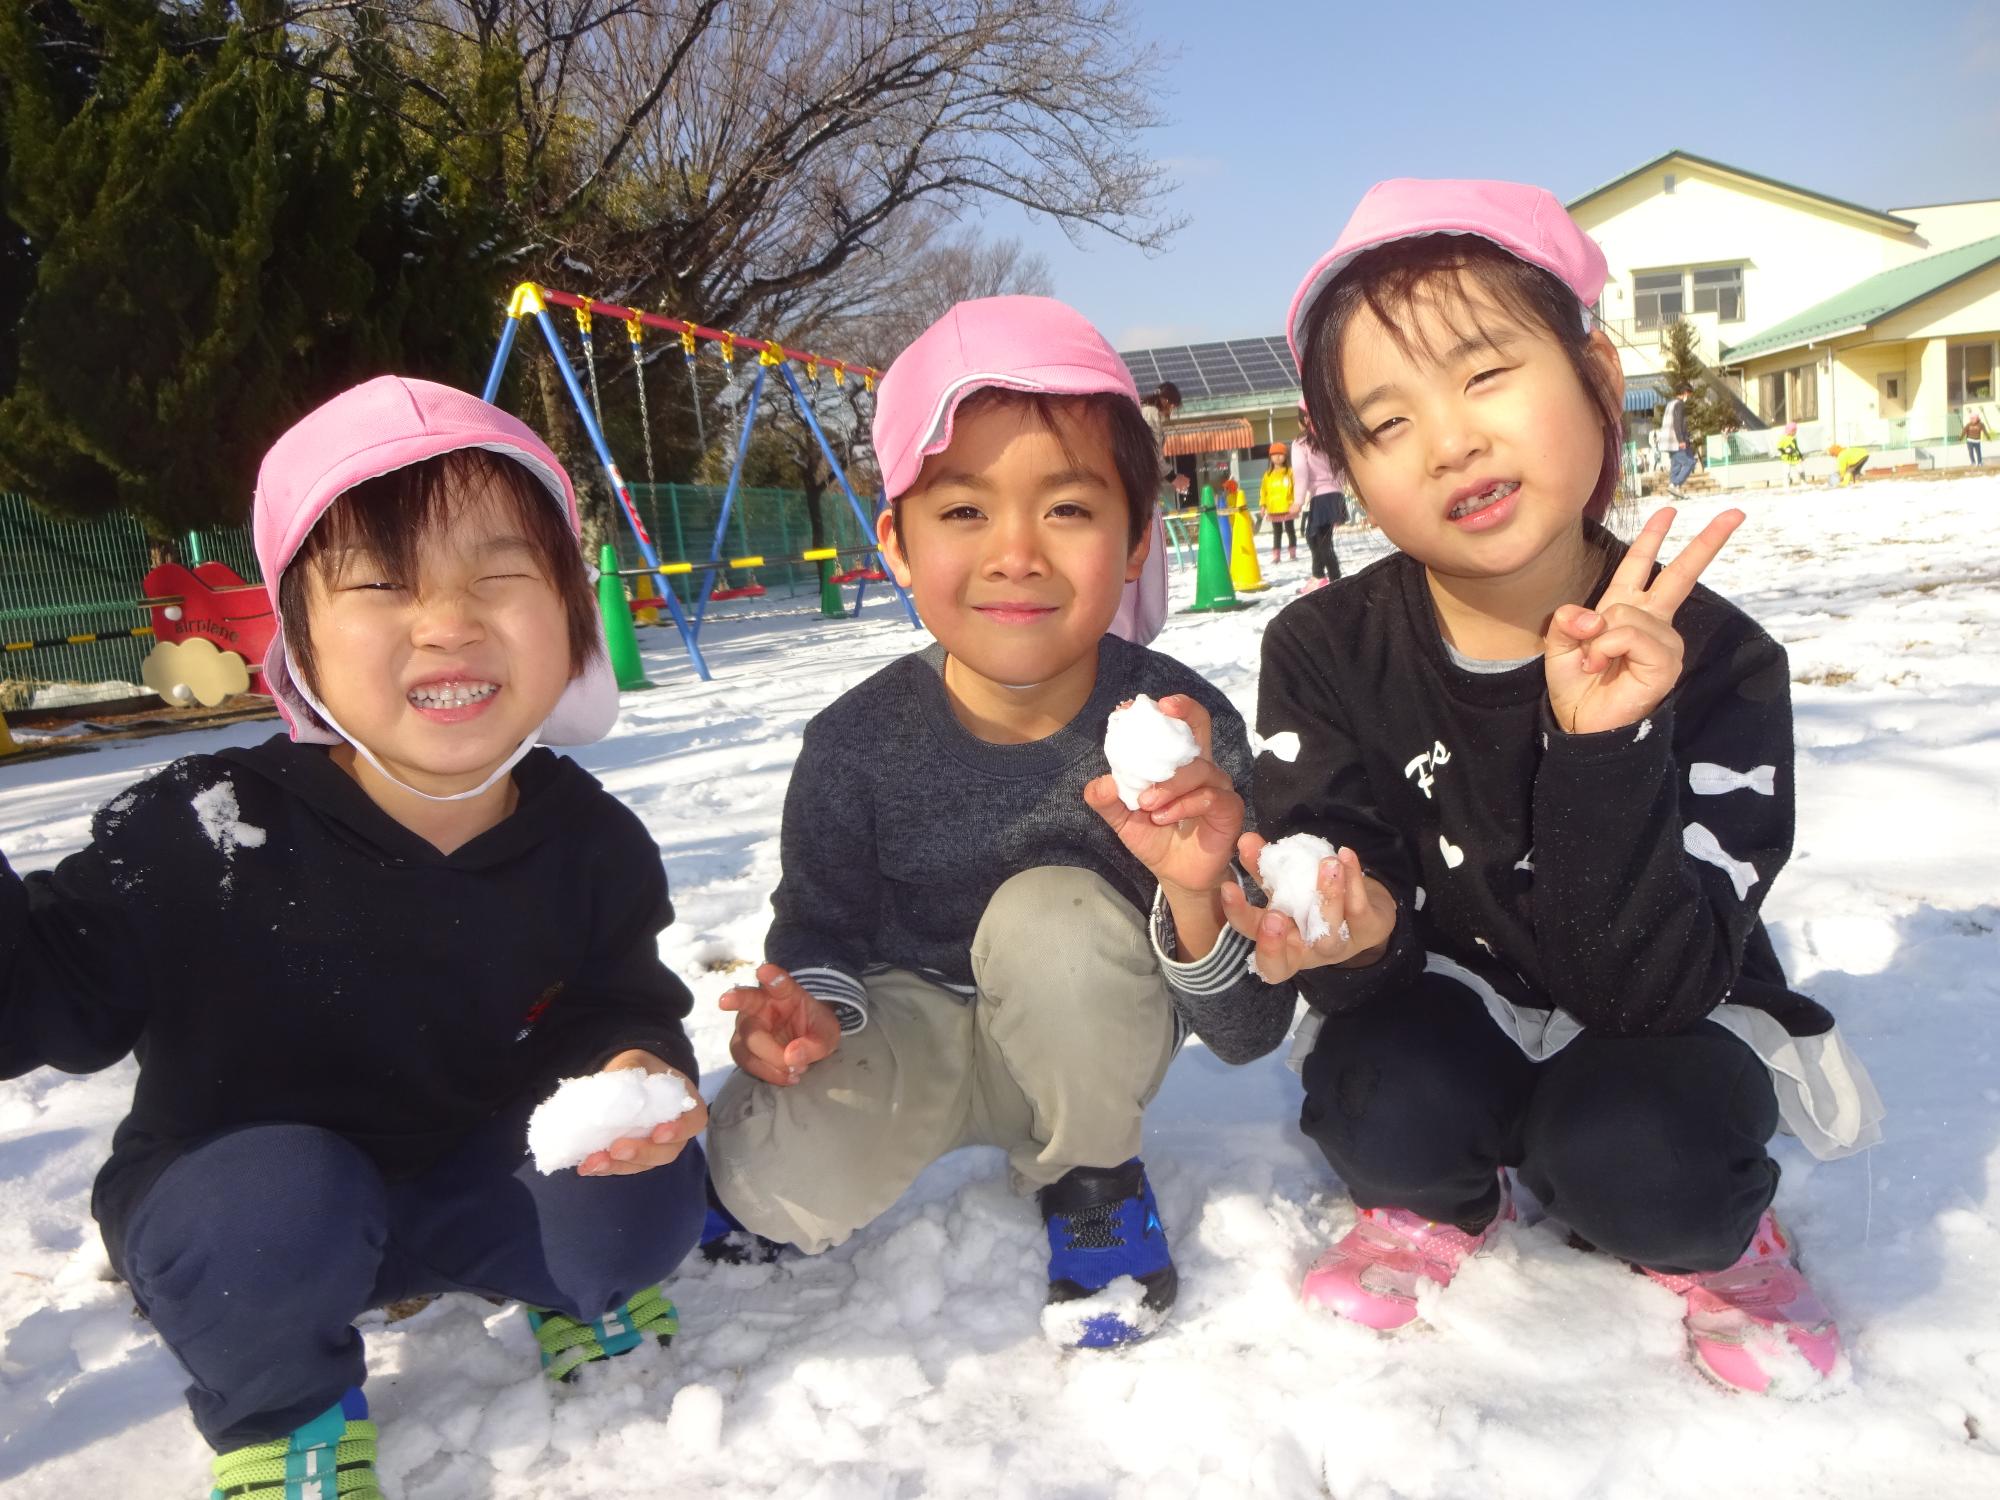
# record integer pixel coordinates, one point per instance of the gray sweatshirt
(900, 825)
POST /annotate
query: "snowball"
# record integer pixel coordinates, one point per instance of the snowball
(587, 1114)
(1289, 870)
(1145, 747)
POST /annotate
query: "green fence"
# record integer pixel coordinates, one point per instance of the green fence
(767, 523)
(63, 578)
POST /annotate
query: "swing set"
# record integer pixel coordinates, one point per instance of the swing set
(868, 565)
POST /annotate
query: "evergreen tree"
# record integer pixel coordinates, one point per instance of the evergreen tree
(215, 244)
(1710, 409)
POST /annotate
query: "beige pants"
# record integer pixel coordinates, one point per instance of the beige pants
(1055, 1062)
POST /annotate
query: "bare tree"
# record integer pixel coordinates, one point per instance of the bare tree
(714, 158)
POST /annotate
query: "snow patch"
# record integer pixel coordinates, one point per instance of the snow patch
(220, 820)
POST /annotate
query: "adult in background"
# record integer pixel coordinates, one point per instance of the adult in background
(1680, 446)
(1313, 474)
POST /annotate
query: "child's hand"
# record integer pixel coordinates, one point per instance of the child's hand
(1613, 665)
(781, 1028)
(1354, 905)
(624, 1157)
(1186, 826)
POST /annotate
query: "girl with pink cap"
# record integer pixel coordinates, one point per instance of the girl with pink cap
(1559, 780)
(353, 958)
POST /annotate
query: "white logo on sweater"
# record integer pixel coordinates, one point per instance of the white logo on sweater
(1421, 766)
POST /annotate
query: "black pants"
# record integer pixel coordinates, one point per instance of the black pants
(253, 1254)
(1325, 562)
(1288, 526)
(1651, 1148)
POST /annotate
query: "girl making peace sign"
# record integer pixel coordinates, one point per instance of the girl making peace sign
(1561, 785)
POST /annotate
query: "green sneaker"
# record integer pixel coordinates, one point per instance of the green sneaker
(332, 1457)
(567, 1344)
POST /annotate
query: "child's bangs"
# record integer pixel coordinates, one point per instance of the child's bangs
(390, 518)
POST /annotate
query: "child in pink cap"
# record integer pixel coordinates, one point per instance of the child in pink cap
(1560, 782)
(976, 942)
(353, 958)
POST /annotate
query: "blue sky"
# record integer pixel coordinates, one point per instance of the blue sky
(1282, 112)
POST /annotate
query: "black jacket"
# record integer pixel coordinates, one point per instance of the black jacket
(274, 947)
(1579, 871)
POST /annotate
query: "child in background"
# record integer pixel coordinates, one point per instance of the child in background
(1789, 451)
(1274, 496)
(1974, 432)
(1848, 462)
(1561, 785)
(976, 942)
(1326, 506)
(411, 924)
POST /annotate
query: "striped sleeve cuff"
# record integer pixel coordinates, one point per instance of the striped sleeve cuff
(840, 992)
(1214, 972)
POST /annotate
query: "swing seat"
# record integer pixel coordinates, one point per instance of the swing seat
(741, 591)
(861, 575)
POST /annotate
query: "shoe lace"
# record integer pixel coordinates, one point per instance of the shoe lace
(1094, 1227)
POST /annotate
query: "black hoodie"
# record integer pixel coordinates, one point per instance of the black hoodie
(275, 947)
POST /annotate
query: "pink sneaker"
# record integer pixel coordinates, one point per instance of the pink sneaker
(1371, 1276)
(1759, 1326)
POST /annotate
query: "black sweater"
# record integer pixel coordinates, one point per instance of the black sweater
(1561, 868)
(274, 947)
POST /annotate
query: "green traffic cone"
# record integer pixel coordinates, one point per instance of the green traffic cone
(1212, 589)
(621, 641)
(832, 606)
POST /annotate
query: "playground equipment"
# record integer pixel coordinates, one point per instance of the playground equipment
(532, 300)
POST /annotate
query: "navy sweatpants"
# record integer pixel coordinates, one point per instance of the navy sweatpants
(253, 1254)
(1651, 1148)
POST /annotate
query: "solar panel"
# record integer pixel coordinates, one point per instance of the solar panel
(1222, 367)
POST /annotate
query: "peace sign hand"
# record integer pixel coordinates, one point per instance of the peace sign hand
(1613, 665)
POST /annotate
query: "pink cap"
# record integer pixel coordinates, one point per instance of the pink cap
(385, 424)
(1025, 344)
(1524, 221)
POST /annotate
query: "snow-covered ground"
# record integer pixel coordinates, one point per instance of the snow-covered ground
(909, 1362)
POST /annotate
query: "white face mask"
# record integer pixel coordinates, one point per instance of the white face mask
(298, 685)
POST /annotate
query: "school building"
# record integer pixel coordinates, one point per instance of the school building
(1862, 325)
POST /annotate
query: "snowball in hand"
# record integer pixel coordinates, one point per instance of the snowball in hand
(1289, 870)
(587, 1114)
(1145, 747)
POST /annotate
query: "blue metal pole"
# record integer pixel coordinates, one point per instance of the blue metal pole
(582, 405)
(492, 391)
(729, 496)
(867, 525)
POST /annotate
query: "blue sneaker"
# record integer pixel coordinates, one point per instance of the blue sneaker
(1111, 1276)
(332, 1457)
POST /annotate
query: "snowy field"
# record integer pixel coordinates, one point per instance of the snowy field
(909, 1361)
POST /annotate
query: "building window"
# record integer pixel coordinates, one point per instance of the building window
(1789, 395)
(1657, 298)
(1720, 291)
(1968, 373)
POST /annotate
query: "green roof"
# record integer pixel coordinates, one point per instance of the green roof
(1870, 301)
(1891, 220)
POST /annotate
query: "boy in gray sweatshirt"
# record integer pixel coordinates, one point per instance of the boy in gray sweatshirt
(976, 942)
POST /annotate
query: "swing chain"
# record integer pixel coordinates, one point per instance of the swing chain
(634, 332)
(694, 388)
(590, 363)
